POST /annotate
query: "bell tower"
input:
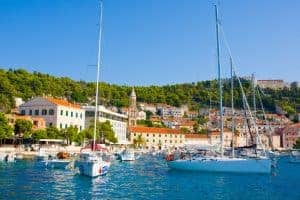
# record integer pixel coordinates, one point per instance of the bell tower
(132, 111)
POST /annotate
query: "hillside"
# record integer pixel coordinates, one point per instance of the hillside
(21, 83)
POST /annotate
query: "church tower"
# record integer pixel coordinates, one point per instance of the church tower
(132, 112)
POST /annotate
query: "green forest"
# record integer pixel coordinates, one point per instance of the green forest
(24, 84)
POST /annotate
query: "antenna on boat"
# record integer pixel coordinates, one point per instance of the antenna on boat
(219, 79)
(98, 73)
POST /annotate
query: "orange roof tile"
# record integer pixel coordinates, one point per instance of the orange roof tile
(144, 129)
(62, 102)
(196, 136)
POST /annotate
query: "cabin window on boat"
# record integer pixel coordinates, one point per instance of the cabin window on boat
(51, 112)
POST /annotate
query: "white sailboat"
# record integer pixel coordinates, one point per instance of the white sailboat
(221, 163)
(90, 162)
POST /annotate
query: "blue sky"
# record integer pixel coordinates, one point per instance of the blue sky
(150, 41)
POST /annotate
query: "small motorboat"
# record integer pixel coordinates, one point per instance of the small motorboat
(295, 156)
(127, 155)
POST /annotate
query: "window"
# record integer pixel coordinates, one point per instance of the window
(134, 134)
(170, 141)
(71, 114)
(147, 140)
(159, 135)
(61, 112)
(60, 125)
(23, 112)
(51, 112)
(147, 135)
(67, 113)
(80, 128)
(80, 115)
(153, 141)
(36, 112)
(30, 112)
(50, 124)
(66, 125)
(76, 115)
(153, 135)
(44, 112)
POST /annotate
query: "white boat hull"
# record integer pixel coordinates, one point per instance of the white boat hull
(234, 165)
(57, 164)
(128, 156)
(92, 168)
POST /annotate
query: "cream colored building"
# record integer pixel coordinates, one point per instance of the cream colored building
(158, 138)
(118, 121)
(197, 139)
(56, 112)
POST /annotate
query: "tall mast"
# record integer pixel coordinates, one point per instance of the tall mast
(232, 108)
(98, 74)
(219, 81)
(254, 105)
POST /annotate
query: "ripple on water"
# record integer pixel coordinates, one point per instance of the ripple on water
(146, 178)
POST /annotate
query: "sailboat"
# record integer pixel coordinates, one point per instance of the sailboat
(222, 163)
(90, 162)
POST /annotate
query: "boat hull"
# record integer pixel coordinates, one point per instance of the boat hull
(128, 157)
(233, 165)
(92, 168)
(57, 164)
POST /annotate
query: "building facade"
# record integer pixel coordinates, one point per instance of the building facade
(37, 122)
(157, 138)
(56, 112)
(118, 121)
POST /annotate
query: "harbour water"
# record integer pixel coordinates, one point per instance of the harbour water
(146, 178)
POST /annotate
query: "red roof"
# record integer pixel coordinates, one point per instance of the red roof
(62, 102)
(144, 129)
(196, 136)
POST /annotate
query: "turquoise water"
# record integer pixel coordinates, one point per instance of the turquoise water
(146, 178)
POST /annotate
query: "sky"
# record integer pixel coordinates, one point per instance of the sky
(150, 42)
